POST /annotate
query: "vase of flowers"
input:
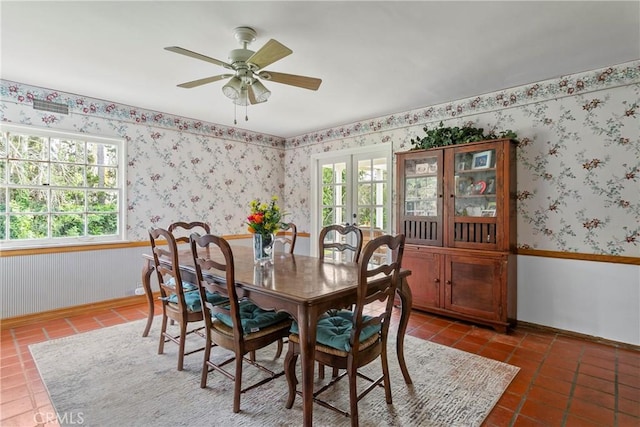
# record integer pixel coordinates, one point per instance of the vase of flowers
(264, 222)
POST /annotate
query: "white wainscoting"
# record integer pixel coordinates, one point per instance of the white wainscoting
(593, 298)
(36, 283)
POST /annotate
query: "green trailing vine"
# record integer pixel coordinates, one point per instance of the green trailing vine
(443, 136)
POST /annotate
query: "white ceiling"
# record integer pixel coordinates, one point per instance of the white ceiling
(375, 58)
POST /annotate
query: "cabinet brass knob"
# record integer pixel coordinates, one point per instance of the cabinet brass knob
(448, 282)
(436, 280)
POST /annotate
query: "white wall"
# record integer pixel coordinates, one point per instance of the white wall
(594, 298)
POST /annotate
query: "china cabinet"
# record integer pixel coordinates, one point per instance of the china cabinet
(457, 209)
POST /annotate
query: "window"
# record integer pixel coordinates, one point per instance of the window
(59, 188)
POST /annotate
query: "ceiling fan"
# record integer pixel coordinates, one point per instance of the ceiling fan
(246, 70)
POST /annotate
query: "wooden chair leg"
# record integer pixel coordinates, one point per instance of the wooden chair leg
(320, 371)
(237, 384)
(353, 395)
(385, 373)
(183, 336)
(279, 350)
(163, 329)
(205, 367)
(335, 372)
(252, 356)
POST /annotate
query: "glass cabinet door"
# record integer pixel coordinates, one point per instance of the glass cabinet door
(421, 197)
(421, 187)
(475, 183)
(474, 188)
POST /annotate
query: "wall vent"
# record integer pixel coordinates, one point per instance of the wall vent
(54, 107)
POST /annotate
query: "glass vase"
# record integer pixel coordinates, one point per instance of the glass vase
(263, 248)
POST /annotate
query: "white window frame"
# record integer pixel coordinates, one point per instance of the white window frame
(120, 188)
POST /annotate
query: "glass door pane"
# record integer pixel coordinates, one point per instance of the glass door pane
(475, 183)
(421, 187)
(372, 203)
(333, 193)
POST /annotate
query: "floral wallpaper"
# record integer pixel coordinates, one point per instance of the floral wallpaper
(578, 157)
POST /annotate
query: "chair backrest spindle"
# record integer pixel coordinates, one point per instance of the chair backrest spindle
(335, 238)
(288, 235)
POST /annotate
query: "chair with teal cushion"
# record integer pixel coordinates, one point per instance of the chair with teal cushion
(350, 339)
(178, 302)
(340, 243)
(239, 326)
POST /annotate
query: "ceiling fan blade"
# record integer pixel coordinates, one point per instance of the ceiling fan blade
(252, 96)
(310, 83)
(271, 52)
(200, 82)
(199, 56)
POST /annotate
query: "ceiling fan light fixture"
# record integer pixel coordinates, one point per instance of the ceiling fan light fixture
(243, 98)
(261, 93)
(233, 88)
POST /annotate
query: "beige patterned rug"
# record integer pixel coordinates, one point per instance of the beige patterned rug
(114, 377)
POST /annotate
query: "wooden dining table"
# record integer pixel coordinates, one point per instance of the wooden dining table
(303, 286)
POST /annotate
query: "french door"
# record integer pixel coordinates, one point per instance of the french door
(352, 187)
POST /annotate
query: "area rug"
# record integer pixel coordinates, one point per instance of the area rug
(114, 377)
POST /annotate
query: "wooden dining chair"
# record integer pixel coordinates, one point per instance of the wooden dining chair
(350, 339)
(180, 300)
(239, 326)
(334, 241)
(287, 236)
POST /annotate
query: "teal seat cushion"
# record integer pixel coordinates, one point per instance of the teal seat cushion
(253, 318)
(187, 286)
(334, 331)
(192, 299)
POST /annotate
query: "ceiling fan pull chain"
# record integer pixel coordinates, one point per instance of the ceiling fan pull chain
(235, 122)
(246, 113)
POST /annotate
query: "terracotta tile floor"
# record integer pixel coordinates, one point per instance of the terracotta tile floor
(563, 381)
